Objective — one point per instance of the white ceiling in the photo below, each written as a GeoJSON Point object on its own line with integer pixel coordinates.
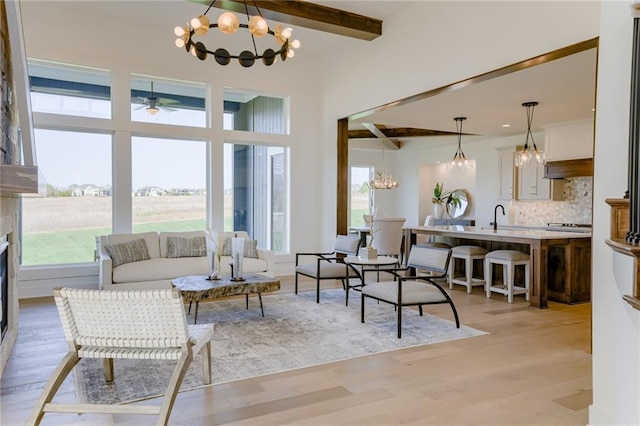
{"type": "Point", "coordinates": [564, 88]}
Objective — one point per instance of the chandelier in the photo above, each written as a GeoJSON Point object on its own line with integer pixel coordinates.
{"type": "Point", "coordinates": [459, 160]}
{"type": "Point", "coordinates": [529, 156]}
{"type": "Point", "coordinates": [228, 23]}
{"type": "Point", "coordinates": [382, 180]}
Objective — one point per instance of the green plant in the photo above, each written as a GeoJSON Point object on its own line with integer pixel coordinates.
{"type": "Point", "coordinates": [442, 197]}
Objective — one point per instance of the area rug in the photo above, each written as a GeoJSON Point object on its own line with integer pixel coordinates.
{"type": "Point", "coordinates": [295, 332]}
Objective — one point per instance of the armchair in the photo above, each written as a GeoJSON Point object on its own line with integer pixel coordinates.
{"type": "Point", "coordinates": [132, 324]}
{"type": "Point", "coordinates": [414, 290]}
{"type": "Point", "coordinates": [328, 266]}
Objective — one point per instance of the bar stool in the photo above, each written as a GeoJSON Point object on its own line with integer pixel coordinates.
{"type": "Point", "coordinates": [509, 259]}
{"type": "Point", "coordinates": [469, 254]}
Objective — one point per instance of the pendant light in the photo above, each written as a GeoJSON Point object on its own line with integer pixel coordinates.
{"type": "Point", "coordinates": [459, 160]}
{"type": "Point", "coordinates": [529, 156]}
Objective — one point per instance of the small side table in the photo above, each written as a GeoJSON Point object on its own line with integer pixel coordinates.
{"type": "Point", "coordinates": [354, 261]}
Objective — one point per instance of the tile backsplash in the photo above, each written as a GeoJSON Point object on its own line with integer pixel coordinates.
{"type": "Point", "coordinates": [575, 208]}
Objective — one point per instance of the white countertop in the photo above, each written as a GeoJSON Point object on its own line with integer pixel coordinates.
{"type": "Point", "coordinates": [480, 231]}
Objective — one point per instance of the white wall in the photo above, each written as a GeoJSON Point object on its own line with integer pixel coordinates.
{"type": "Point", "coordinates": [616, 335]}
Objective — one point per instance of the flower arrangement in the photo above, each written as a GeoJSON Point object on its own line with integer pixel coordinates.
{"type": "Point", "coordinates": [442, 197]}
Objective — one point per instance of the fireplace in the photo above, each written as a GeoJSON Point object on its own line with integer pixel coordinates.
{"type": "Point", "coordinates": [4, 286]}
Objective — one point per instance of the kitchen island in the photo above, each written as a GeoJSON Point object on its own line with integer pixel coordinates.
{"type": "Point", "coordinates": [560, 261]}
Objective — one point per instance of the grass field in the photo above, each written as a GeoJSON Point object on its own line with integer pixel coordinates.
{"type": "Point", "coordinates": [59, 230]}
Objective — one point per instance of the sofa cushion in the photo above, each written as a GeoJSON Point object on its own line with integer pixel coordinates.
{"type": "Point", "coordinates": [128, 252]}
{"type": "Point", "coordinates": [163, 236]}
{"type": "Point", "coordinates": [170, 268]}
{"type": "Point", "coordinates": [250, 247]}
{"type": "Point", "coordinates": [150, 238]}
{"type": "Point", "coordinates": [160, 269]}
{"type": "Point", "coordinates": [186, 247]}
{"type": "Point", "coordinates": [249, 265]}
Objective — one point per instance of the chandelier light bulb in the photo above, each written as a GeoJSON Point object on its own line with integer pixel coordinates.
{"type": "Point", "coordinates": [258, 26]}
{"type": "Point", "coordinates": [290, 53]}
{"type": "Point", "coordinates": [179, 31]}
{"type": "Point", "coordinates": [195, 23]}
{"type": "Point", "coordinates": [295, 44]}
{"type": "Point", "coordinates": [179, 42]}
{"type": "Point", "coordinates": [286, 33]}
{"type": "Point", "coordinates": [228, 23]}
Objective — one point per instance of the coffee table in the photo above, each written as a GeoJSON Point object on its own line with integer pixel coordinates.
{"type": "Point", "coordinates": [195, 288]}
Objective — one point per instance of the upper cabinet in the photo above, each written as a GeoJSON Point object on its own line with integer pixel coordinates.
{"type": "Point", "coordinates": [532, 185]}
{"type": "Point", "coordinates": [568, 141]}
{"type": "Point", "coordinates": [507, 177]}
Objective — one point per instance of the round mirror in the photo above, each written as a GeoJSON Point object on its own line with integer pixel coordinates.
{"type": "Point", "coordinates": [459, 206]}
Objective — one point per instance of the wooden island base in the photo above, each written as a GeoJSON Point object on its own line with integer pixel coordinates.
{"type": "Point", "coordinates": [560, 261]}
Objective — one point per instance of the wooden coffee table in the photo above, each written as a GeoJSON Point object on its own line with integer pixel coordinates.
{"type": "Point", "coordinates": [195, 288]}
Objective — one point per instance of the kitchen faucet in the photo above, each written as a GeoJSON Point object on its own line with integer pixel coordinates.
{"type": "Point", "coordinates": [495, 214]}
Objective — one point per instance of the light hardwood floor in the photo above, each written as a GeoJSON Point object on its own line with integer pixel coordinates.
{"type": "Point", "coordinates": [534, 368]}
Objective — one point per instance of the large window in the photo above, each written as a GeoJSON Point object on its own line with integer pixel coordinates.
{"type": "Point", "coordinates": [169, 181]}
{"type": "Point", "coordinates": [69, 90]}
{"type": "Point", "coordinates": [360, 195]}
{"type": "Point", "coordinates": [61, 227]}
{"type": "Point", "coordinates": [256, 193]}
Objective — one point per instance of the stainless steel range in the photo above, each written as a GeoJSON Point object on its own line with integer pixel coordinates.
{"type": "Point", "coordinates": [568, 227]}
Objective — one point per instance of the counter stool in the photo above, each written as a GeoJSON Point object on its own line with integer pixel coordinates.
{"type": "Point", "coordinates": [509, 259]}
{"type": "Point", "coordinates": [469, 254]}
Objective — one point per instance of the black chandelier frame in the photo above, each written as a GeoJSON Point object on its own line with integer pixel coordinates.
{"type": "Point", "coordinates": [246, 58]}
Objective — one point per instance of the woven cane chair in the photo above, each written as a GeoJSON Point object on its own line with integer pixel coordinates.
{"type": "Point", "coordinates": [414, 290]}
{"type": "Point", "coordinates": [142, 324]}
{"type": "Point", "coordinates": [329, 266]}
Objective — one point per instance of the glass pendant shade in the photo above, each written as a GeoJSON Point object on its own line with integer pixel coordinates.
{"type": "Point", "coordinates": [529, 156]}
{"type": "Point", "coordinates": [460, 161]}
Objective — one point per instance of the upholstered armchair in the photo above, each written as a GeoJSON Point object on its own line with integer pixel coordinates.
{"type": "Point", "coordinates": [328, 265]}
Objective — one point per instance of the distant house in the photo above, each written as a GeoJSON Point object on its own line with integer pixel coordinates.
{"type": "Point", "coordinates": [150, 191]}
{"type": "Point", "coordinates": [89, 190]}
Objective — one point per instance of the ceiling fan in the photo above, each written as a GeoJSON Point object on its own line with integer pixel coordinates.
{"type": "Point", "coordinates": [153, 104]}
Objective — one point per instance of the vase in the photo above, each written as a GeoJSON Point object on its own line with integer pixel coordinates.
{"type": "Point", "coordinates": [438, 210]}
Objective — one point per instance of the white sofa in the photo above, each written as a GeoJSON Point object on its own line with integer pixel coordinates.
{"type": "Point", "coordinates": [158, 271]}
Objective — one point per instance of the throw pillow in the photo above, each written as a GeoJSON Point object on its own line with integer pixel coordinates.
{"type": "Point", "coordinates": [131, 251]}
{"type": "Point", "coordinates": [250, 248]}
{"type": "Point", "coordinates": [186, 247]}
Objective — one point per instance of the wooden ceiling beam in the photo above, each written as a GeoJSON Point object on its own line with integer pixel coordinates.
{"type": "Point", "coordinates": [397, 132]}
{"type": "Point", "coordinates": [308, 15]}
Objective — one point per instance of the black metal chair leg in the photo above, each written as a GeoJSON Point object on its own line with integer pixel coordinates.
{"type": "Point", "coordinates": [420, 309]}
{"type": "Point", "coordinates": [195, 318]}
{"type": "Point", "coordinates": [399, 321]}
{"type": "Point", "coordinates": [246, 298]}
{"type": "Point", "coordinates": [317, 291]}
{"type": "Point", "coordinates": [190, 307]}
{"type": "Point", "coordinates": [261, 308]}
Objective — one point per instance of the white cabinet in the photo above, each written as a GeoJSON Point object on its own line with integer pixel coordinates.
{"type": "Point", "coordinates": [568, 141]}
{"type": "Point", "coordinates": [507, 177]}
{"type": "Point", "coordinates": [524, 183]}
{"type": "Point", "coordinates": [531, 184]}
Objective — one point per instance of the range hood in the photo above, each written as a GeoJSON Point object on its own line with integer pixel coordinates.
{"type": "Point", "coordinates": [568, 168]}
